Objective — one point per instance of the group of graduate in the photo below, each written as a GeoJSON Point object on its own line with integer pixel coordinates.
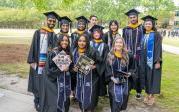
{"type": "Point", "coordinates": [124, 62]}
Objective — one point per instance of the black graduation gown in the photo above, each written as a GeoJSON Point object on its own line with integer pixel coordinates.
{"type": "Point", "coordinates": [73, 37]}
{"type": "Point", "coordinates": [122, 105]}
{"type": "Point", "coordinates": [101, 65]}
{"type": "Point", "coordinates": [50, 90]}
{"type": "Point", "coordinates": [152, 77]}
{"type": "Point", "coordinates": [94, 55]}
{"type": "Point", "coordinates": [35, 80]}
{"type": "Point", "coordinates": [133, 38]}
{"type": "Point", "coordinates": [108, 38]}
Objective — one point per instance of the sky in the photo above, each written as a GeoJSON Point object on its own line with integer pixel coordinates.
{"type": "Point", "coordinates": [176, 2]}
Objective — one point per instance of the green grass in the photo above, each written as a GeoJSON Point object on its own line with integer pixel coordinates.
{"type": "Point", "coordinates": [169, 97]}
{"type": "Point", "coordinates": [21, 69]}
{"type": "Point", "coordinates": [171, 41]}
{"type": "Point", "coordinates": [15, 40]}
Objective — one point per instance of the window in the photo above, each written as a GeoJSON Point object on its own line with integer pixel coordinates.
{"type": "Point", "coordinates": [176, 23]}
{"type": "Point", "coordinates": [176, 13]}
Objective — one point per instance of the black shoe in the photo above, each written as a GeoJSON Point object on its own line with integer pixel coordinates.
{"type": "Point", "coordinates": [138, 96]}
{"type": "Point", "coordinates": [36, 104]}
{"type": "Point", "coordinates": [37, 107]}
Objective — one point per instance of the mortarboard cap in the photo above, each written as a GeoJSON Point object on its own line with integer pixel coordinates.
{"type": "Point", "coordinates": [148, 17]}
{"type": "Point", "coordinates": [83, 19]}
{"type": "Point", "coordinates": [96, 27]}
{"type": "Point", "coordinates": [64, 20]}
{"type": "Point", "coordinates": [132, 12]}
{"type": "Point", "coordinates": [51, 14]}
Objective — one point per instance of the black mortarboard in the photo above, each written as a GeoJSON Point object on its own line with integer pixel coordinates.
{"type": "Point", "coordinates": [148, 17]}
{"type": "Point", "coordinates": [132, 12]}
{"type": "Point", "coordinates": [64, 20]}
{"type": "Point", "coordinates": [82, 18]}
{"type": "Point", "coordinates": [95, 27]}
{"type": "Point", "coordinates": [51, 14]}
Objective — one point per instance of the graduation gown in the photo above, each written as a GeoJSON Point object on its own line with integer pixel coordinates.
{"type": "Point", "coordinates": [133, 38]}
{"type": "Point", "coordinates": [108, 38]}
{"type": "Point", "coordinates": [92, 101]}
{"type": "Point", "coordinates": [51, 92]}
{"type": "Point", "coordinates": [103, 50]}
{"type": "Point", "coordinates": [118, 93]}
{"type": "Point", "coordinates": [152, 76]}
{"type": "Point", "coordinates": [73, 38]}
{"type": "Point", "coordinates": [35, 80]}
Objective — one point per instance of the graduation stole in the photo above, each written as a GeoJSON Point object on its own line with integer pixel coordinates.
{"type": "Point", "coordinates": [135, 49]}
{"type": "Point", "coordinates": [80, 32]}
{"type": "Point", "coordinates": [118, 54]}
{"type": "Point", "coordinates": [98, 46]}
{"type": "Point", "coordinates": [119, 89]}
{"type": "Point", "coordinates": [150, 49]}
{"type": "Point", "coordinates": [43, 48]}
{"type": "Point", "coordinates": [84, 85]}
{"type": "Point", "coordinates": [62, 33]}
{"type": "Point", "coordinates": [110, 38]}
{"type": "Point", "coordinates": [47, 29]}
{"type": "Point", "coordinates": [64, 89]}
{"type": "Point", "coordinates": [81, 51]}
{"type": "Point", "coordinates": [133, 25]}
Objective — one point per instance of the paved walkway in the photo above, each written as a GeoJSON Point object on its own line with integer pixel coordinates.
{"type": "Point", "coordinates": [170, 49]}
{"type": "Point", "coordinates": [15, 102]}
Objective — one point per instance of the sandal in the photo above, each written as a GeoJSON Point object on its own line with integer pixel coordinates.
{"type": "Point", "coordinates": [151, 101]}
{"type": "Point", "coordinates": [146, 99]}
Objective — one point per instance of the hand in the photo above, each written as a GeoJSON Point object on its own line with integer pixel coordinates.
{"type": "Point", "coordinates": [115, 80]}
{"type": "Point", "coordinates": [93, 66]}
{"type": "Point", "coordinates": [157, 65]}
{"type": "Point", "coordinates": [66, 69]}
{"type": "Point", "coordinates": [128, 74]}
{"type": "Point", "coordinates": [75, 69]}
{"type": "Point", "coordinates": [33, 65]}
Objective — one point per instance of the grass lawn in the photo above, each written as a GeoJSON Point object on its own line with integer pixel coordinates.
{"type": "Point", "coordinates": [171, 41]}
{"type": "Point", "coordinates": [21, 69]}
{"type": "Point", "coordinates": [16, 40]}
{"type": "Point", "coordinates": [169, 97]}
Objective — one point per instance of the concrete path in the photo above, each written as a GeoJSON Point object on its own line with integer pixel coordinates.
{"type": "Point", "coordinates": [170, 49]}
{"type": "Point", "coordinates": [15, 102]}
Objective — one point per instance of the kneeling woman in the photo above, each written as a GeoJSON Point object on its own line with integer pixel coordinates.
{"type": "Point", "coordinates": [59, 78]}
{"type": "Point", "coordinates": [87, 85]}
{"type": "Point", "coordinates": [117, 75]}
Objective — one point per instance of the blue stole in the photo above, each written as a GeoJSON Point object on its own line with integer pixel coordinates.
{"type": "Point", "coordinates": [119, 89]}
{"type": "Point", "coordinates": [84, 85]}
{"type": "Point", "coordinates": [150, 49]}
{"type": "Point", "coordinates": [64, 89]}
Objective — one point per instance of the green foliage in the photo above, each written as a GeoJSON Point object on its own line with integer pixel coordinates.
{"type": "Point", "coordinates": [104, 9]}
